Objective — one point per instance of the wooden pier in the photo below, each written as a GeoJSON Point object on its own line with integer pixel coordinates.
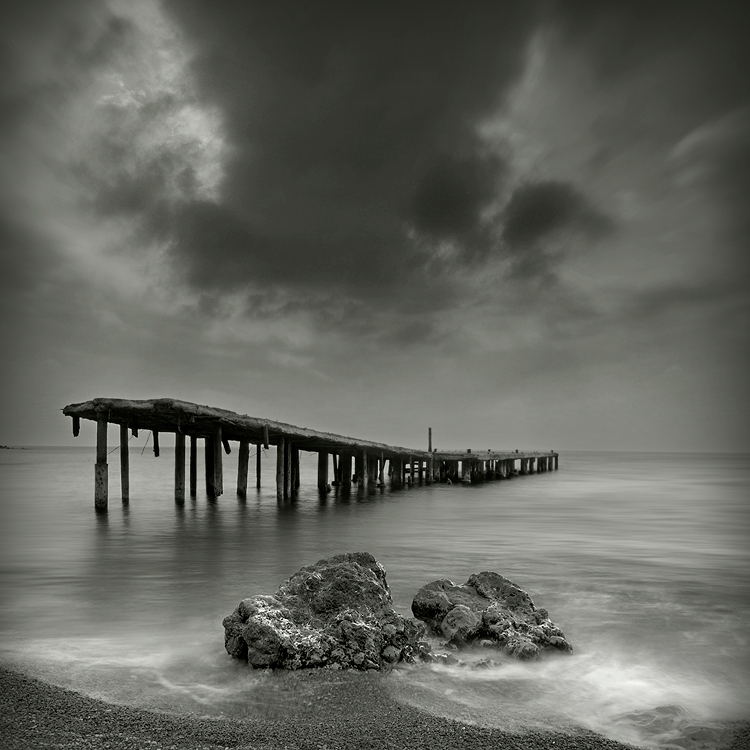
{"type": "Point", "coordinates": [342, 461]}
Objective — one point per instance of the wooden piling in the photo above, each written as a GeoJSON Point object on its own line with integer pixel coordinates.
{"type": "Point", "coordinates": [336, 473]}
{"type": "Point", "coordinates": [556, 457]}
{"type": "Point", "coordinates": [287, 468]}
{"type": "Point", "coordinates": [322, 470]}
{"type": "Point", "coordinates": [381, 473]}
{"type": "Point", "coordinates": [345, 468]}
{"type": "Point", "coordinates": [295, 468]}
{"type": "Point", "coordinates": [430, 462]}
{"type": "Point", "coordinates": [155, 438]}
{"type": "Point", "coordinates": [208, 455]}
{"type": "Point", "coordinates": [101, 483]}
{"type": "Point", "coordinates": [257, 466]}
{"type": "Point", "coordinates": [218, 462]}
{"type": "Point", "coordinates": [243, 460]}
{"type": "Point", "coordinates": [76, 426]}
{"type": "Point", "coordinates": [397, 471]}
{"type": "Point", "coordinates": [227, 446]}
{"type": "Point", "coordinates": [124, 465]}
{"type": "Point", "coordinates": [365, 477]}
{"type": "Point", "coordinates": [193, 465]}
{"type": "Point", "coordinates": [179, 468]}
{"type": "Point", "coordinates": [280, 450]}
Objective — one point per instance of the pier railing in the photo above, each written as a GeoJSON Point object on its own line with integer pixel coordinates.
{"type": "Point", "coordinates": [350, 460]}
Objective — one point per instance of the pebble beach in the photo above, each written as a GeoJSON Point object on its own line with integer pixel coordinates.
{"type": "Point", "coordinates": [37, 715]}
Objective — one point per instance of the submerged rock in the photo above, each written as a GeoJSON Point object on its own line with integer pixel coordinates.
{"type": "Point", "coordinates": [336, 613]}
{"type": "Point", "coordinates": [488, 610]}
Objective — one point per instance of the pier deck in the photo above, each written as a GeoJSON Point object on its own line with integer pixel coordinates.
{"type": "Point", "coordinates": [218, 427]}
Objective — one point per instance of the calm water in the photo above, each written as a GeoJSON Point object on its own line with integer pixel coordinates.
{"type": "Point", "coordinates": [642, 560]}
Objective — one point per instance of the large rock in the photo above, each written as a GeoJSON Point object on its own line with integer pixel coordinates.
{"type": "Point", "coordinates": [336, 613]}
{"type": "Point", "coordinates": [489, 610]}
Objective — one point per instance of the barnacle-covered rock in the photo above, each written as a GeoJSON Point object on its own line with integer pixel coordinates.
{"type": "Point", "coordinates": [337, 613]}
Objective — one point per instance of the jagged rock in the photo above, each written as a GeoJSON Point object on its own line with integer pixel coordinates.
{"type": "Point", "coordinates": [336, 613]}
{"type": "Point", "coordinates": [489, 610]}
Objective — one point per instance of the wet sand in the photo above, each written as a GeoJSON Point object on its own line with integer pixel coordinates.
{"type": "Point", "coordinates": [34, 714]}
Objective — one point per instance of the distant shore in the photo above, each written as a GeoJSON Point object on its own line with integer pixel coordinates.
{"type": "Point", "coordinates": [34, 714]}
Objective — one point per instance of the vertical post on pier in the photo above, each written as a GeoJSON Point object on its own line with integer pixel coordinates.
{"type": "Point", "coordinates": [155, 434]}
{"type": "Point", "coordinates": [208, 456]}
{"type": "Point", "coordinates": [179, 467]}
{"type": "Point", "coordinates": [124, 465]}
{"type": "Point", "coordinates": [101, 479]}
{"type": "Point", "coordinates": [243, 461]}
{"type": "Point", "coordinates": [322, 470]}
{"type": "Point", "coordinates": [280, 450]}
{"type": "Point", "coordinates": [193, 465]}
{"type": "Point", "coordinates": [396, 471]}
{"type": "Point", "coordinates": [336, 473]}
{"type": "Point", "coordinates": [257, 466]}
{"type": "Point", "coordinates": [288, 468]}
{"type": "Point", "coordinates": [556, 457]}
{"type": "Point", "coordinates": [381, 473]}
{"type": "Point", "coordinates": [373, 470]}
{"type": "Point", "coordinates": [430, 462]}
{"type": "Point", "coordinates": [365, 471]}
{"type": "Point", "coordinates": [218, 462]}
{"type": "Point", "coordinates": [345, 469]}
{"type": "Point", "coordinates": [295, 468]}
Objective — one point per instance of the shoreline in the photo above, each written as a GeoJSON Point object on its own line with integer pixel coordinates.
{"type": "Point", "coordinates": [36, 714]}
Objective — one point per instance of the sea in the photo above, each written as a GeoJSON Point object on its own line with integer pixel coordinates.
{"type": "Point", "coordinates": [642, 559]}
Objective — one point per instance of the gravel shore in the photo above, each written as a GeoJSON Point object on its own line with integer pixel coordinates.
{"type": "Point", "coordinates": [36, 715]}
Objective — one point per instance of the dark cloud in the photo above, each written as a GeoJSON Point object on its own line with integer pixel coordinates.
{"type": "Point", "coordinates": [540, 212]}
{"type": "Point", "coordinates": [450, 196]}
{"type": "Point", "coordinates": [347, 123]}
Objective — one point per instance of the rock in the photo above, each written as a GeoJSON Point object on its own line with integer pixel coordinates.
{"type": "Point", "coordinates": [337, 613]}
{"type": "Point", "coordinates": [489, 610]}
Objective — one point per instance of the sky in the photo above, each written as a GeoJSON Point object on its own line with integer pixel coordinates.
{"type": "Point", "coordinates": [522, 224]}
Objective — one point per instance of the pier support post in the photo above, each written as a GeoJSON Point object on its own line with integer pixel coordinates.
{"type": "Point", "coordinates": [208, 456]}
{"type": "Point", "coordinates": [556, 457]}
{"type": "Point", "coordinates": [287, 468]}
{"type": "Point", "coordinates": [365, 470]}
{"type": "Point", "coordinates": [381, 472]}
{"type": "Point", "coordinates": [257, 466]}
{"type": "Point", "coordinates": [218, 462]}
{"type": "Point", "coordinates": [295, 468]}
{"type": "Point", "coordinates": [124, 465]}
{"type": "Point", "coordinates": [101, 478]}
{"type": "Point", "coordinates": [322, 470]}
{"type": "Point", "coordinates": [336, 472]}
{"type": "Point", "coordinates": [397, 471]}
{"type": "Point", "coordinates": [345, 468]}
{"type": "Point", "coordinates": [193, 465]}
{"type": "Point", "coordinates": [179, 468]}
{"type": "Point", "coordinates": [280, 451]}
{"type": "Point", "coordinates": [243, 460]}
{"type": "Point", "coordinates": [430, 461]}
{"type": "Point", "coordinates": [155, 434]}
